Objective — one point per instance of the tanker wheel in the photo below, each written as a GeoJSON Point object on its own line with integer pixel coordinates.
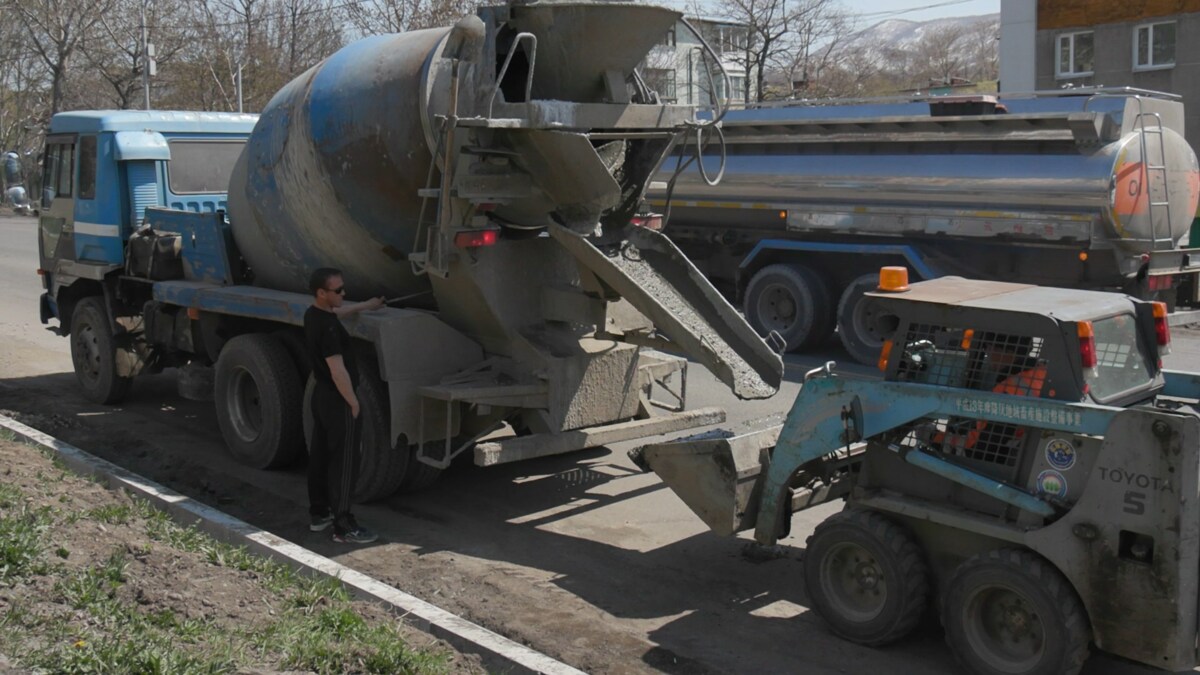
{"type": "Point", "coordinates": [1010, 612]}
{"type": "Point", "coordinates": [257, 396]}
{"type": "Point", "coordinates": [866, 575]}
{"type": "Point", "coordinates": [793, 301]}
{"type": "Point", "coordinates": [861, 323]}
{"type": "Point", "coordinates": [94, 354]}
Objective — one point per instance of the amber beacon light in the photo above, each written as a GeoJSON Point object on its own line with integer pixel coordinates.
{"type": "Point", "coordinates": [893, 279]}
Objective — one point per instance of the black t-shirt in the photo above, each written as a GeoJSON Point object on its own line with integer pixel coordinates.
{"type": "Point", "coordinates": [325, 336]}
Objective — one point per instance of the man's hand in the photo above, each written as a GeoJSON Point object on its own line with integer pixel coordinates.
{"type": "Point", "coordinates": [373, 303]}
{"type": "Point", "coordinates": [354, 409]}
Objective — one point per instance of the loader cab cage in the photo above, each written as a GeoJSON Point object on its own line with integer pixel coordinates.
{"type": "Point", "coordinates": [965, 358]}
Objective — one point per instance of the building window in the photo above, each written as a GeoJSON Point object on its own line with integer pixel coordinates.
{"type": "Point", "coordinates": [731, 39]}
{"type": "Point", "coordinates": [737, 87]}
{"type": "Point", "coordinates": [1154, 46]}
{"type": "Point", "coordinates": [661, 80]}
{"type": "Point", "coordinates": [1075, 54]}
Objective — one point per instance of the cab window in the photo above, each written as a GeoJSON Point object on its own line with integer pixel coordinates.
{"type": "Point", "coordinates": [1120, 362]}
{"type": "Point", "coordinates": [202, 166]}
{"type": "Point", "coordinates": [87, 167]}
{"type": "Point", "coordinates": [58, 169]}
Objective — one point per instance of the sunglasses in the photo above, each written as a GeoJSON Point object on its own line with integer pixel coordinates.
{"type": "Point", "coordinates": [340, 290]}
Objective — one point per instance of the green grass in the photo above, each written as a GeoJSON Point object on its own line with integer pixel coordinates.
{"type": "Point", "coordinates": [95, 628]}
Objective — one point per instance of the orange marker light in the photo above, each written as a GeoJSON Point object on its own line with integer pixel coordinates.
{"type": "Point", "coordinates": [783, 215]}
{"type": "Point", "coordinates": [193, 313]}
{"type": "Point", "coordinates": [893, 279]}
{"type": "Point", "coordinates": [968, 334]}
{"type": "Point", "coordinates": [1087, 348]}
{"type": "Point", "coordinates": [884, 354]}
{"type": "Point", "coordinates": [1083, 256]}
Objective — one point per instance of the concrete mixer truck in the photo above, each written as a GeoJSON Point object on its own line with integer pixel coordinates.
{"type": "Point", "coordinates": [481, 177]}
{"type": "Point", "coordinates": [1079, 189]}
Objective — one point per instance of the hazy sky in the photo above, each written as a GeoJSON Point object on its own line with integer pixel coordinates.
{"type": "Point", "coordinates": [874, 11]}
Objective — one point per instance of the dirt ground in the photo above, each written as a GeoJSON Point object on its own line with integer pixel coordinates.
{"type": "Point", "coordinates": [91, 525]}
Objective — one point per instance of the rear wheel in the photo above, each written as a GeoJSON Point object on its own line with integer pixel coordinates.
{"type": "Point", "coordinates": [866, 576]}
{"type": "Point", "coordinates": [792, 301]}
{"type": "Point", "coordinates": [94, 353]}
{"type": "Point", "coordinates": [383, 469]}
{"type": "Point", "coordinates": [1009, 612]}
{"type": "Point", "coordinates": [861, 323]}
{"type": "Point", "coordinates": [257, 395]}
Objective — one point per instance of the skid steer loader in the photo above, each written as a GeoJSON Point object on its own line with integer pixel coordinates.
{"type": "Point", "coordinates": [1026, 466]}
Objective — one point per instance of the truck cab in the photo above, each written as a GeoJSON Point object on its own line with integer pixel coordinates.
{"type": "Point", "coordinates": [102, 169]}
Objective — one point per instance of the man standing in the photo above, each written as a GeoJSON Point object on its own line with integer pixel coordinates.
{"type": "Point", "coordinates": [333, 451]}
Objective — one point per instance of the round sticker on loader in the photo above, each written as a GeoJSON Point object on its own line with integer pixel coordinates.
{"type": "Point", "coordinates": [1060, 454]}
{"type": "Point", "coordinates": [1051, 482]}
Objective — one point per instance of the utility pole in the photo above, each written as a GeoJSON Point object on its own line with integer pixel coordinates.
{"type": "Point", "coordinates": [148, 64]}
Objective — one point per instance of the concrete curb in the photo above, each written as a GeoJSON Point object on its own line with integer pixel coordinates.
{"type": "Point", "coordinates": [498, 652]}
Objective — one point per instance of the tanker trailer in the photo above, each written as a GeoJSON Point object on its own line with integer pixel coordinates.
{"type": "Point", "coordinates": [1094, 191]}
{"type": "Point", "coordinates": [483, 178]}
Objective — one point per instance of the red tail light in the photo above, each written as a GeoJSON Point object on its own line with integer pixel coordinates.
{"type": "Point", "coordinates": [651, 221]}
{"type": "Point", "coordinates": [1162, 329]}
{"type": "Point", "coordinates": [1087, 348]}
{"type": "Point", "coordinates": [476, 238]}
{"type": "Point", "coordinates": [1160, 282]}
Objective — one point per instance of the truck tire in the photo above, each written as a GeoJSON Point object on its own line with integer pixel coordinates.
{"type": "Point", "coordinates": [257, 395]}
{"type": "Point", "coordinates": [867, 577]}
{"type": "Point", "coordinates": [383, 469]}
{"type": "Point", "coordinates": [858, 321]}
{"type": "Point", "coordinates": [793, 301]}
{"type": "Point", "coordinates": [93, 353]}
{"type": "Point", "coordinates": [1010, 612]}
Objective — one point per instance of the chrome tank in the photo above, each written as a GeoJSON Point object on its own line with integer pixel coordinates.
{"type": "Point", "coordinates": [1062, 169]}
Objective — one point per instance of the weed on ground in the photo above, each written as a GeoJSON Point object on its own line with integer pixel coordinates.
{"type": "Point", "coordinates": [95, 581]}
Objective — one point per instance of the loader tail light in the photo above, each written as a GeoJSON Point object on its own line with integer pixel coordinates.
{"type": "Point", "coordinates": [1087, 348]}
{"type": "Point", "coordinates": [885, 354]}
{"type": "Point", "coordinates": [1162, 329]}
{"type": "Point", "coordinates": [476, 238]}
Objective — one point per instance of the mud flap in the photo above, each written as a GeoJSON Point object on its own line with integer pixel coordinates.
{"type": "Point", "coordinates": [656, 278]}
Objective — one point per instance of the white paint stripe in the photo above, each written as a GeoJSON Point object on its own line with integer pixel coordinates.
{"type": "Point", "coordinates": [498, 651]}
{"type": "Point", "coordinates": [97, 229]}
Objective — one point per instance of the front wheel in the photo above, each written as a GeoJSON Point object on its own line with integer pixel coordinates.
{"type": "Point", "coordinates": [866, 576]}
{"type": "Point", "coordinates": [1009, 612]}
{"type": "Point", "coordinates": [94, 353]}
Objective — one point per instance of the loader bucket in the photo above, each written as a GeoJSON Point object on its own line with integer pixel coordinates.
{"type": "Point", "coordinates": [715, 474]}
{"type": "Point", "coordinates": [655, 277]}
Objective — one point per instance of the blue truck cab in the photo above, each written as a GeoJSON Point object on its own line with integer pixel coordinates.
{"type": "Point", "coordinates": [102, 170]}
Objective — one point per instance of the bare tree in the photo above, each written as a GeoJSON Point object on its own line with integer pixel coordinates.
{"type": "Point", "coordinates": [56, 28]}
{"type": "Point", "coordinates": [117, 54]}
{"type": "Point", "coordinates": [939, 55]}
{"type": "Point", "coordinates": [373, 17]}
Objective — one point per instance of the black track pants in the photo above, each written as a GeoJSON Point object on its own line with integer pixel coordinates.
{"type": "Point", "coordinates": [332, 456]}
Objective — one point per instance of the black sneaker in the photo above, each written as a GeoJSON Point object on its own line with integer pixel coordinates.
{"type": "Point", "coordinates": [321, 523]}
{"type": "Point", "coordinates": [358, 535]}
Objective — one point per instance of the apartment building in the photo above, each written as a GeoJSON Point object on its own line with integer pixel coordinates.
{"type": "Point", "coordinates": [676, 69]}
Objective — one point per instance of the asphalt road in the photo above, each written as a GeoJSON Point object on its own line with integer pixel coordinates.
{"type": "Point", "coordinates": [580, 556]}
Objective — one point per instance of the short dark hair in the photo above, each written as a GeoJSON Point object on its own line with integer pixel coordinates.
{"type": "Point", "coordinates": [320, 277]}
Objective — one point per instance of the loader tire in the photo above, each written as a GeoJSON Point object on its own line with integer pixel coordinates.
{"type": "Point", "coordinates": [1010, 612]}
{"type": "Point", "coordinates": [862, 325]}
{"type": "Point", "coordinates": [793, 301]}
{"type": "Point", "coordinates": [93, 354]}
{"type": "Point", "coordinates": [867, 577]}
{"type": "Point", "coordinates": [257, 396]}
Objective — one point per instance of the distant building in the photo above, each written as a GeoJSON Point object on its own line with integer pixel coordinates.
{"type": "Point", "coordinates": [1054, 44]}
{"type": "Point", "coordinates": [675, 67]}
